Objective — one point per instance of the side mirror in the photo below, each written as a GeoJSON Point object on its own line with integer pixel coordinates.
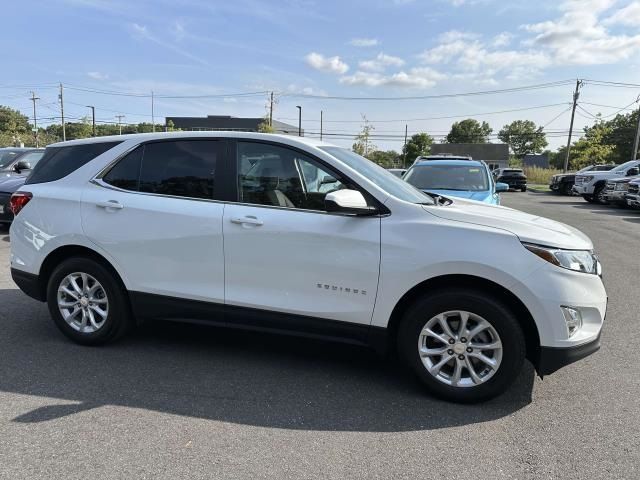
{"type": "Point", "coordinates": [501, 187]}
{"type": "Point", "coordinates": [328, 179]}
{"type": "Point", "coordinates": [633, 172]}
{"type": "Point", "coordinates": [349, 202]}
{"type": "Point", "coordinates": [19, 166]}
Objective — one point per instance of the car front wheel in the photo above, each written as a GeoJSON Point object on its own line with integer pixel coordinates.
{"type": "Point", "coordinates": [463, 345]}
{"type": "Point", "coordinates": [87, 303]}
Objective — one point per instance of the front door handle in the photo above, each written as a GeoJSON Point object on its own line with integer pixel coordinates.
{"type": "Point", "coordinates": [110, 204]}
{"type": "Point", "coordinates": [248, 220]}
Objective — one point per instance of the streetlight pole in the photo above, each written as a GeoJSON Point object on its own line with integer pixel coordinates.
{"type": "Point", "coordinates": [93, 118]}
{"type": "Point", "coordinates": [299, 120]}
{"type": "Point", "coordinates": [634, 154]}
{"type": "Point", "coordinates": [320, 125]}
{"type": "Point", "coordinates": [35, 119]}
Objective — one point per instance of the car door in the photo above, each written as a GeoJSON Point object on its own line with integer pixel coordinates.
{"type": "Point", "coordinates": [155, 213]}
{"type": "Point", "coordinates": [284, 253]}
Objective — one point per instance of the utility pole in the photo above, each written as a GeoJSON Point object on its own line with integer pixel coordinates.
{"type": "Point", "coordinates": [271, 111]}
{"type": "Point", "coordinates": [93, 118]}
{"type": "Point", "coordinates": [35, 119]}
{"type": "Point", "coordinates": [61, 97]}
{"type": "Point", "coordinates": [120, 117]}
{"type": "Point", "coordinates": [320, 125]}
{"type": "Point", "coordinates": [299, 120]}
{"type": "Point", "coordinates": [576, 95]}
{"type": "Point", "coordinates": [153, 118]}
{"type": "Point", "coordinates": [634, 154]}
{"type": "Point", "coordinates": [404, 149]}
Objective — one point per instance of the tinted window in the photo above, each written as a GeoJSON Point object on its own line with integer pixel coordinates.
{"type": "Point", "coordinates": [448, 177]}
{"type": "Point", "coordinates": [180, 168]}
{"type": "Point", "coordinates": [126, 173]}
{"type": "Point", "coordinates": [58, 162]}
{"type": "Point", "coordinates": [282, 177]}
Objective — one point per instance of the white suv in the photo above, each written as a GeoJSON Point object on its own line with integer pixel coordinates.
{"type": "Point", "coordinates": [280, 233]}
{"type": "Point", "coordinates": [591, 185]}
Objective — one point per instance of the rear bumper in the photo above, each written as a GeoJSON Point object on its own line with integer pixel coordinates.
{"type": "Point", "coordinates": [552, 359]}
{"type": "Point", "coordinates": [29, 284]}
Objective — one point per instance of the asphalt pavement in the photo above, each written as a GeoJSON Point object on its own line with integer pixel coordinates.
{"type": "Point", "coordinates": [176, 401]}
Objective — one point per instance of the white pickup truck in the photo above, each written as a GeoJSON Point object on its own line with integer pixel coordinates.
{"type": "Point", "coordinates": [591, 185]}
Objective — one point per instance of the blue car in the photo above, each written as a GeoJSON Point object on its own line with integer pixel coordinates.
{"type": "Point", "coordinates": [460, 177]}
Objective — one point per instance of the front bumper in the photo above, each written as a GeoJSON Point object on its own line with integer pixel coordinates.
{"type": "Point", "coordinates": [583, 189]}
{"type": "Point", "coordinates": [552, 359]}
{"type": "Point", "coordinates": [615, 196]}
{"type": "Point", "coordinates": [633, 200]}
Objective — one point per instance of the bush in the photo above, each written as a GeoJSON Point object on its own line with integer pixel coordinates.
{"type": "Point", "coordinates": [540, 176]}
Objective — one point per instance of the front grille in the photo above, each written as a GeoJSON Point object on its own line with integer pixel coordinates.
{"type": "Point", "coordinates": [634, 188]}
{"type": "Point", "coordinates": [610, 187]}
{"type": "Point", "coordinates": [579, 180]}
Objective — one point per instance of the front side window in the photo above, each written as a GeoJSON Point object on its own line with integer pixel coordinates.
{"type": "Point", "coordinates": [448, 177]}
{"type": "Point", "coordinates": [7, 157]}
{"type": "Point", "coordinates": [282, 177]}
{"type": "Point", "coordinates": [32, 158]}
{"type": "Point", "coordinates": [184, 168]}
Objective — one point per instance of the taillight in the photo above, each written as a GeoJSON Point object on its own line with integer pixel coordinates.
{"type": "Point", "coordinates": [18, 201]}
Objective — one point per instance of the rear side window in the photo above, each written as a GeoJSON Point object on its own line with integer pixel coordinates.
{"type": "Point", "coordinates": [126, 173]}
{"type": "Point", "coordinates": [184, 168]}
{"type": "Point", "coordinates": [58, 162]}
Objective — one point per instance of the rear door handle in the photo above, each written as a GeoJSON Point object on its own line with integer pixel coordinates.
{"type": "Point", "coordinates": [110, 204]}
{"type": "Point", "coordinates": [248, 220]}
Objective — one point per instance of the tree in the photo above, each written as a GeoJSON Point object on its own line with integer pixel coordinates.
{"type": "Point", "coordinates": [418, 144]}
{"type": "Point", "coordinates": [593, 146]}
{"type": "Point", "coordinates": [265, 127]}
{"type": "Point", "coordinates": [523, 137]}
{"type": "Point", "coordinates": [469, 131]}
{"type": "Point", "coordinates": [621, 135]}
{"type": "Point", "coordinates": [386, 159]}
{"type": "Point", "coordinates": [14, 126]}
{"type": "Point", "coordinates": [363, 145]}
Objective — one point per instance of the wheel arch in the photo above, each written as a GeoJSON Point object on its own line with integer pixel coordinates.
{"type": "Point", "coordinates": [56, 256]}
{"type": "Point", "coordinates": [525, 319]}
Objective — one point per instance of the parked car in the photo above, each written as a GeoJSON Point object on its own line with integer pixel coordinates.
{"type": "Point", "coordinates": [461, 178]}
{"type": "Point", "coordinates": [615, 191]}
{"type": "Point", "coordinates": [11, 180]}
{"type": "Point", "coordinates": [633, 194]}
{"type": "Point", "coordinates": [398, 172]}
{"type": "Point", "coordinates": [318, 241]}
{"type": "Point", "coordinates": [15, 160]}
{"type": "Point", "coordinates": [563, 182]}
{"type": "Point", "coordinates": [592, 184]}
{"type": "Point", "coordinates": [514, 177]}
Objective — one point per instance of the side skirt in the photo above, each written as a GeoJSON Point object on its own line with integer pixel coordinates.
{"type": "Point", "coordinates": [148, 306]}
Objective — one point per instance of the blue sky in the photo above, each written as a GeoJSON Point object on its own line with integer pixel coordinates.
{"type": "Point", "coordinates": [374, 48]}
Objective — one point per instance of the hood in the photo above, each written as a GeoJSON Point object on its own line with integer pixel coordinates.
{"type": "Point", "coordinates": [12, 184]}
{"type": "Point", "coordinates": [623, 179]}
{"type": "Point", "coordinates": [528, 228]}
{"type": "Point", "coordinates": [481, 196]}
{"type": "Point", "coordinates": [595, 174]}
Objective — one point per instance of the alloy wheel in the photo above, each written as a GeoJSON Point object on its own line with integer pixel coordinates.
{"type": "Point", "coordinates": [83, 302]}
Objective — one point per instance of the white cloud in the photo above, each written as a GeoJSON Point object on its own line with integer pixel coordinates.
{"type": "Point", "coordinates": [580, 37]}
{"type": "Point", "coordinates": [97, 75]}
{"type": "Point", "coordinates": [629, 16]}
{"type": "Point", "coordinates": [502, 39]}
{"type": "Point", "coordinates": [364, 42]}
{"type": "Point", "coordinates": [326, 64]}
{"type": "Point", "coordinates": [381, 62]}
{"type": "Point", "coordinates": [423, 77]}
{"type": "Point", "coordinates": [141, 32]}
{"type": "Point", "coordinates": [457, 3]}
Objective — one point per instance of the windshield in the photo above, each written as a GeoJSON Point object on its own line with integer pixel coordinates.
{"type": "Point", "coordinates": [378, 175]}
{"type": "Point", "coordinates": [448, 177]}
{"type": "Point", "coordinates": [624, 166]}
{"type": "Point", "coordinates": [7, 157]}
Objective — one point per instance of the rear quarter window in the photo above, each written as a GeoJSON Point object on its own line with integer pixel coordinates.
{"type": "Point", "coordinates": [58, 162]}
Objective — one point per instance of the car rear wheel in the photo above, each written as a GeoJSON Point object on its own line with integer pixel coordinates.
{"type": "Point", "coordinates": [87, 303]}
{"type": "Point", "coordinates": [463, 345]}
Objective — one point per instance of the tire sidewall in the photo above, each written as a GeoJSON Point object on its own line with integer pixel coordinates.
{"type": "Point", "coordinates": [500, 317]}
{"type": "Point", "coordinates": [117, 318]}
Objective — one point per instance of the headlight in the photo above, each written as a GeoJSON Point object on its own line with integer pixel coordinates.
{"type": "Point", "coordinates": [588, 178]}
{"type": "Point", "coordinates": [576, 260]}
{"type": "Point", "coordinates": [622, 186]}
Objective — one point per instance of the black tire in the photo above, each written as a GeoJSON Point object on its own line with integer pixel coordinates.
{"type": "Point", "coordinates": [589, 198]}
{"type": "Point", "coordinates": [524, 189]}
{"type": "Point", "coordinates": [567, 189]}
{"type": "Point", "coordinates": [596, 195]}
{"type": "Point", "coordinates": [119, 318]}
{"type": "Point", "coordinates": [495, 312]}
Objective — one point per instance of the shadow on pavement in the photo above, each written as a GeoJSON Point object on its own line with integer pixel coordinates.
{"type": "Point", "coordinates": [232, 376]}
